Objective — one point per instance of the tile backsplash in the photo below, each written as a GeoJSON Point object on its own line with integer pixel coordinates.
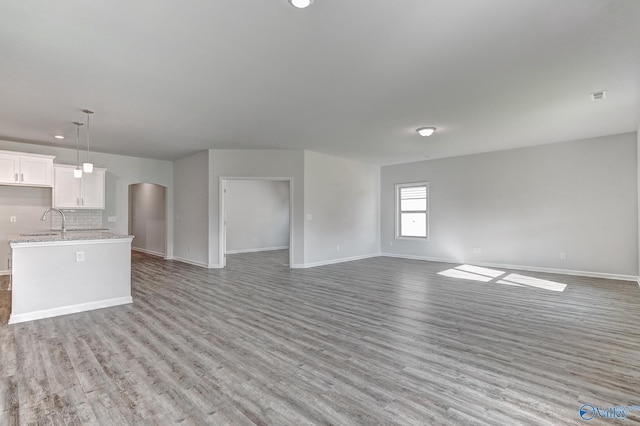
{"type": "Point", "coordinates": [78, 219]}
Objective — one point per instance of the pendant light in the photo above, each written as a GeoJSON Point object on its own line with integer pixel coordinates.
{"type": "Point", "coordinates": [77, 172]}
{"type": "Point", "coordinates": [87, 167]}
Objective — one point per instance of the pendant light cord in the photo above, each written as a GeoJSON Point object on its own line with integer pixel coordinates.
{"type": "Point", "coordinates": [88, 137]}
{"type": "Point", "coordinates": [77, 143]}
{"type": "Point", "coordinates": [88, 112]}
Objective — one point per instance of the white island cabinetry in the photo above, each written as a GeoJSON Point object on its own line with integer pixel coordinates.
{"type": "Point", "coordinates": [86, 192]}
{"type": "Point", "coordinates": [62, 274]}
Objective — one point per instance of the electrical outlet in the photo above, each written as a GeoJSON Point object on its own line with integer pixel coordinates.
{"type": "Point", "coordinates": [477, 250]}
{"type": "Point", "coordinates": [309, 217]}
{"type": "Point", "coordinates": [338, 247]}
{"type": "Point", "coordinates": [563, 255]}
{"type": "Point", "coordinates": [111, 219]}
{"type": "Point", "coordinates": [79, 256]}
{"type": "Point", "coordinates": [12, 219]}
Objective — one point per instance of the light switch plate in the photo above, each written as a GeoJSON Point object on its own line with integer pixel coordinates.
{"type": "Point", "coordinates": [79, 256]}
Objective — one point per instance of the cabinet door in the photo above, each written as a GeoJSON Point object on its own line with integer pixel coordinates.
{"type": "Point", "coordinates": [36, 171]}
{"type": "Point", "coordinates": [9, 165]}
{"type": "Point", "coordinates": [93, 190]}
{"type": "Point", "coordinates": [66, 188]}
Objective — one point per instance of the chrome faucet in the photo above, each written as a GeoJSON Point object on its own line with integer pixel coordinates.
{"type": "Point", "coordinates": [44, 217]}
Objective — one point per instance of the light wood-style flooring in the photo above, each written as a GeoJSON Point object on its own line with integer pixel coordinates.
{"type": "Point", "coordinates": [5, 298]}
{"type": "Point", "coordinates": [377, 341]}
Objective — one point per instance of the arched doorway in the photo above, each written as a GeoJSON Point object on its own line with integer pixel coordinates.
{"type": "Point", "coordinates": [148, 218]}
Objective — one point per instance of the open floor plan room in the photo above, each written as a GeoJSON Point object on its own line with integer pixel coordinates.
{"type": "Point", "coordinates": [375, 341]}
{"type": "Point", "coordinates": [320, 212]}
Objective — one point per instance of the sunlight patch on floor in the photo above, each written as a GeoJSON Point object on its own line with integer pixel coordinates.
{"type": "Point", "coordinates": [532, 282]}
{"type": "Point", "coordinates": [457, 273]}
{"type": "Point", "coordinates": [478, 273]}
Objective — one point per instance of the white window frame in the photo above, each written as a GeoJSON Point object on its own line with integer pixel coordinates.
{"type": "Point", "coordinates": [398, 212]}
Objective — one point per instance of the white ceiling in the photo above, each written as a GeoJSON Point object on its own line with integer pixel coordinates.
{"type": "Point", "coordinates": [351, 78]}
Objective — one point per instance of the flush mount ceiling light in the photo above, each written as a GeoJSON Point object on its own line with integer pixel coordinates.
{"type": "Point", "coordinates": [77, 172]}
{"type": "Point", "coordinates": [426, 131]}
{"type": "Point", "coordinates": [58, 136]}
{"type": "Point", "coordinates": [87, 166]}
{"type": "Point", "coordinates": [300, 4]}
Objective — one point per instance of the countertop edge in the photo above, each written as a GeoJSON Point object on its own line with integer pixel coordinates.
{"type": "Point", "coordinates": [70, 237]}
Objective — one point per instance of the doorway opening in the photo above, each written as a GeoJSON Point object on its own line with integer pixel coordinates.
{"type": "Point", "coordinates": [148, 218]}
{"type": "Point", "coordinates": [255, 216]}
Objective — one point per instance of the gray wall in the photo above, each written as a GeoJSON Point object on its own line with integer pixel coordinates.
{"type": "Point", "coordinates": [257, 213]}
{"type": "Point", "coordinates": [342, 197]}
{"type": "Point", "coordinates": [526, 206]}
{"type": "Point", "coordinates": [27, 205]}
{"type": "Point", "coordinates": [122, 171]}
{"type": "Point", "coordinates": [191, 186]}
{"type": "Point", "coordinates": [256, 163]}
{"type": "Point", "coordinates": [147, 217]}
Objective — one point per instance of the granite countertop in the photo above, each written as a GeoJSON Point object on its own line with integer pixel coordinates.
{"type": "Point", "coordinates": [57, 236]}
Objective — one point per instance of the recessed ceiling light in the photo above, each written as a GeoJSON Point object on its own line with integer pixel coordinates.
{"type": "Point", "coordinates": [300, 4]}
{"type": "Point", "coordinates": [59, 137]}
{"type": "Point", "coordinates": [426, 131]}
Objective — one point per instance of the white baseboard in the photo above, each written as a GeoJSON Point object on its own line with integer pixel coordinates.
{"type": "Point", "coordinates": [333, 261]}
{"type": "Point", "coordinates": [195, 263]}
{"type": "Point", "coordinates": [255, 250]}
{"type": "Point", "coordinates": [151, 252]}
{"type": "Point", "coordinates": [72, 309]}
{"type": "Point", "coordinates": [190, 262]}
{"type": "Point", "coordinates": [521, 267]}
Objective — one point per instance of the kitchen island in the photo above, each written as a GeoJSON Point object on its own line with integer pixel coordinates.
{"type": "Point", "coordinates": [56, 273]}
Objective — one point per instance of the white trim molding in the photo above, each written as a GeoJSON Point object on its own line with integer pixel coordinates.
{"type": "Point", "coordinates": [190, 262]}
{"type": "Point", "coordinates": [255, 250]}
{"type": "Point", "coordinates": [334, 261]}
{"type": "Point", "coordinates": [151, 252]}
{"type": "Point", "coordinates": [72, 309]}
{"type": "Point", "coordinates": [519, 267]}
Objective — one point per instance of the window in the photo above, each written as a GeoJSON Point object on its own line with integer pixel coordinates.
{"type": "Point", "coordinates": [412, 210]}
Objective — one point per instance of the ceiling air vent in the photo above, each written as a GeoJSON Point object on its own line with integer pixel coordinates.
{"type": "Point", "coordinates": [598, 96]}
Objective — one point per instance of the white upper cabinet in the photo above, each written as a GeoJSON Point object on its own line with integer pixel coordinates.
{"type": "Point", "coordinates": [93, 189]}
{"type": "Point", "coordinates": [84, 193]}
{"type": "Point", "coordinates": [9, 168]}
{"type": "Point", "coordinates": [23, 169]}
{"type": "Point", "coordinates": [66, 188]}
